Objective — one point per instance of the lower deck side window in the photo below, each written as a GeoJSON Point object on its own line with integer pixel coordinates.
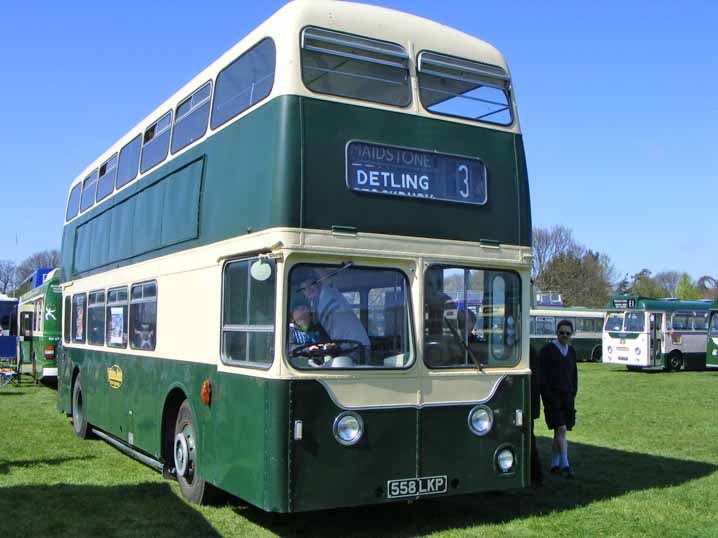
{"type": "Point", "coordinates": [143, 316]}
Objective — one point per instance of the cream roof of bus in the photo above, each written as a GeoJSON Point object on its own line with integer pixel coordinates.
{"type": "Point", "coordinates": [414, 33]}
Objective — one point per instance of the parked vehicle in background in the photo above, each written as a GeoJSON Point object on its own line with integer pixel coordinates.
{"type": "Point", "coordinates": [641, 332]}
{"type": "Point", "coordinates": [39, 314]}
{"type": "Point", "coordinates": [8, 329]}
{"type": "Point", "coordinates": [587, 329]}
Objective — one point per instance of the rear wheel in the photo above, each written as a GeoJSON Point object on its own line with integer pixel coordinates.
{"type": "Point", "coordinates": [185, 451]}
{"type": "Point", "coordinates": [79, 411]}
{"type": "Point", "coordinates": [675, 362]}
{"type": "Point", "coordinates": [596, 354]}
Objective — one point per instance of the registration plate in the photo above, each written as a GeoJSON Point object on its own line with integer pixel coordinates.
{"type": "Point", "coordinates": [413, 487]}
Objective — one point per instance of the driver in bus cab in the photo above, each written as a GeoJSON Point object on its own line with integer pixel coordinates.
{"type": "Point", "coordinates": [333, 311]}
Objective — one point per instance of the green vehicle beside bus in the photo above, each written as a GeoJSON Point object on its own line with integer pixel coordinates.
{"type": "Point", "coordinates": [587, 329]}
{"type": "Point", "coordinates": [641, 332]}
{"type": "Point", "coordinates": [39, 317]}
{"type": "Point", "coordinates": [712, 342]}
{"type": "Point", "coordinates": [347, 164]}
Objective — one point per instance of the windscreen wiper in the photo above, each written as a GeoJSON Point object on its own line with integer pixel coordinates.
{"type": "Point", "coordinates": [458, 338]}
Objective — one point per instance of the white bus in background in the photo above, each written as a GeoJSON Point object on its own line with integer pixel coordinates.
{"type": "Point", "coordinates": [641, 332]}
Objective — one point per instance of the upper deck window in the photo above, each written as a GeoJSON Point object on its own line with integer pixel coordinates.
{"type": "Point", "coordinates": [357, 67]}
{"type": "Point", "coordinates": [191, 118]}
{"type": "Point", "coordinates": [465, 89]}
{"type": "Point", "coordinates": [89, 185]}
{"type": "Point", "coordinates": [106, 183]}
{"type": "Point", "coordinates": [244, 82]}
{"type": "Point", "coordinates": [129, 161]}
{"type": "Point", "coordinates": [73, 203]}
{"type": "Point", "coordinates": [156, 142]}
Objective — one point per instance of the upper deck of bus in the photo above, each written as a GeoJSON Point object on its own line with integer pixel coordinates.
{"type": "Point", "coordinates": [282, 160]}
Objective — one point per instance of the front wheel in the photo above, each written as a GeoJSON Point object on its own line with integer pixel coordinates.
{"type": "Point", "coordinates": [185, 450]}
{"type": "Point", "coordinates": [596, 354]}
{"type": "Point", "coordinates": [79, 411]}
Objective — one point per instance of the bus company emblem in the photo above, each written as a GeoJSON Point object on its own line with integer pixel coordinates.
{"type": "Point", "coordinates": [114, 376]}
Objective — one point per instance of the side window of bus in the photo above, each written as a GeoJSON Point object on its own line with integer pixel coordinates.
{"type": "Point", "coordinates": [244, 82]}
{"type": "Point", "coordinates": [341, 64]}
{"type": "Point", "coordinates": [143, 316]}
{"type": "Point", "coordinates": [116, 317]}
{"type": "Point", "coordinates": [67, 315]}
{"type": "Point", "coordinates": [248, 312]}
{"type": "Point", "coordinates": [191, 118]}
{"type": "Point", "coordinates": [700, 321]}
{"type": "Point", "coordinates": [463, 88]}
{"type": "Point", "coordinates": [106, 182]}
{"type": "Point", "coordinates": [73, 203]}
{"type": "Point", "coordinates": [680, 321]}
{"type": "Point", "coordinates": [546, 325]}
{"type": "Point", "coordinates": [129, 161]}
{"type": "Point", "coordinates": [156, 142]}
{"type": "Point", "coordinates": [89, 186]}
{"type": "Point", "coordinates": [96, 318]}
{"type": "Point", "coordinates": [79, 323]}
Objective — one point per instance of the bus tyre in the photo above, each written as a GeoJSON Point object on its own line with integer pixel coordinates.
{"type": "Point", "coordinates": [184, 449]}
{"type": "Point", "coordinates": [675, 362]}
{"type": "Point", "coordinates": [79, 411]}
{"type": "Point", "coordinates": [596, 354]}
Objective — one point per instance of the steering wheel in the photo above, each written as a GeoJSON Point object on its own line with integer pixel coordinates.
{"type": "Point", "coordinates": [333, 348]}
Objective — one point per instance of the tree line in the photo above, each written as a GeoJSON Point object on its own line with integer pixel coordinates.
{"type": "Point", "coordinates": [585, 277]}
{"type": "Point", "coordinates": [12, 274]}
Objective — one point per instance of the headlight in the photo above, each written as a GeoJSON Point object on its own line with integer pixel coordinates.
{"type": "Point", "coordinates": [505, 460]}
{"type": "Point", "coordinates": [638, 351]}
{"type": "Point", "coordinates": [348, 428]}
{"type": "Point", "coordinates": [610, 350]}
{"type": "Point", "coordinates": [481, 419]}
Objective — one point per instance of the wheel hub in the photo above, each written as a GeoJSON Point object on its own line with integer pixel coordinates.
{"type": "Point", "coordinates": [181, 453]}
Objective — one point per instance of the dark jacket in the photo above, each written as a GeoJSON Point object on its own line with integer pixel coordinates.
{"type": "Point", "coordinates": [558, 373]}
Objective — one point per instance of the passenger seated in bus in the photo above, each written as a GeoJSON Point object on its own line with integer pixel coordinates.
{"type": "Point", "coordinates": [144, 337]}
{"type": "Point", "coordinates": [334, 312]}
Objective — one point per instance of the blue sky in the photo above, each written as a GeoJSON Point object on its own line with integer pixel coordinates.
{"type": "Point", "coordinates": [617, 103]}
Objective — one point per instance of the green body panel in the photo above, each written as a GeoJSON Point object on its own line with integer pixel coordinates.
{"type": "Point", "coordinates": [625, 336]}
{"type": "Point", "coordinates": [32, 347]}
{"type": "Point", "coordinates": [401, 443]}
{"type": "Point", "coordinates": [711, 347]}
{"type": "Point", "coordinates": [584, 346]}
{"type": "Point", "coordinates": [658, 305]}
{"type": "Point", "coordinates": [284, 165]}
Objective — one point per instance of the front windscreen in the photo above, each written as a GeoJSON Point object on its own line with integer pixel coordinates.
{"type": "Point", "coordinates": [472, 317]}
{"type": "Point", "coordinates": [344, 316]}
{"type": "Point", "coordinates": [614, 322]}
{"type": "Point", "coordinates": [634, 321]}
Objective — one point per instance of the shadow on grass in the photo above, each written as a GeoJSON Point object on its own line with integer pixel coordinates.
{"type": "Point", "coordinates": [6, 466]}
{"type": "Point", "coordinates": [601, 473]}
{"type": "Point", "coordinates": [11, 392]}
{"type": "Point", "coordinates": [149, 509]}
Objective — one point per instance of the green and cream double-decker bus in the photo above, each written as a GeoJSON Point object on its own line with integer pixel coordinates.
{"type": "Point", "coordinates": [587, 329]}
{"type": "Point", "coordinates": [39, 311]}
{"type": "Point", "coordinates": [641, 332]}
{"type": "Point", "coordinates": [712, 341]}
{"type": "Point", "coordinates": [261, 277]}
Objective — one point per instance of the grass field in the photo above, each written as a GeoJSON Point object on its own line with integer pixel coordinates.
{"type": "Point", "coordinates": [644, 451]}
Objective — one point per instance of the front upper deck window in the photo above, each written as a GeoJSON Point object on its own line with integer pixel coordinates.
{"type": "Point", "coordinates": [89, 186]}
{"type": "Point", "coordinates": [342, 316]}
{"type": "Point", "coordinates": [356, 67]}
{"type": "Point", "coordinates": [465, 89]}
{"type": "Point", "coordinates": [155, 142]}
{"type": "Point", "coordinates": [459, 336]}
{"type": "Point", "coordinates": [73, 202]}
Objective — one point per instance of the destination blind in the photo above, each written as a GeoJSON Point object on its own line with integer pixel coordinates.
{"type": "Point", "coordinates": [414, 173]}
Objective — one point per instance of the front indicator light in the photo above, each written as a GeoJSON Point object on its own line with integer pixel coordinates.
{"type": "Point", "coordinates": [610, 350]}
{"type": "Point", "coordinates": [505, 460]}
{"type": "Point", "coordinates": [638, 351]}
{"type": "Point", "coordinates": [348, 428]}
{"type": "Point", "coordinates": [481, 419]}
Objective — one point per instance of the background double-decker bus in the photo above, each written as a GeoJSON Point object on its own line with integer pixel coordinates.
{"type": "Point", "coordinates": [262, 278]}
{"type": "Point", "coordinates": [712, 340]}
{"type": "Point", "coordinates": [587, 329]}
{"type": "Point", "coordinates": [39, 314]}
{"type": "Point", "coordinates": [8, 329]}
{"type": "Point", "coordinates": [641, 332]}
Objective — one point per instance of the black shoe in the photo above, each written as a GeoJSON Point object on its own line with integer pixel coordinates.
{"type": "Point", "coordinates": [566, 472]}
{"type": "Point", "coordinates": [555, 470]}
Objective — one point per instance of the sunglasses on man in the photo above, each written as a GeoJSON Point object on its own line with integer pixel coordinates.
{"type": "Point", "coordinates": [564, 333]}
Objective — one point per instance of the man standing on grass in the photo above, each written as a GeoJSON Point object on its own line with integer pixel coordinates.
{"type": "Point", "coordinates": [559, 385]}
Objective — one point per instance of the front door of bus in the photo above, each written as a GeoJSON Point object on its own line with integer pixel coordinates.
{"type": "Point", "coordinates": [25, 348]}
{"type": "Point", "coordinates": [654, 347]}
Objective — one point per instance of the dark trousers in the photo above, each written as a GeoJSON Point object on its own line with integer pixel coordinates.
{"type": "Point", "coordinates": [536, 473]}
